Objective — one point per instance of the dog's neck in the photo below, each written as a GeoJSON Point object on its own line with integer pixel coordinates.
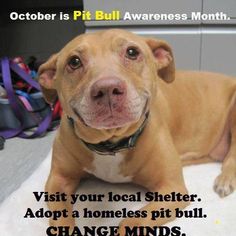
{"type": "Point", "coordinates": [111, 148]}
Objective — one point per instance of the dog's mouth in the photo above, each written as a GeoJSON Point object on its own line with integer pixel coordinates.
{"type": "Point", "coordinates": [110, 119]}
{"type": "Point", "coordinates": [79, 117]}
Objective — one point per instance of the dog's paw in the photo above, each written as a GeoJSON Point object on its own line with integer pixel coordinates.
{"type": "Point", "coordinates": [129, 223]}
{"type": "Point", "coordinates": [225, 184]}
{"type": "Point", "coordinates": [63, 222]}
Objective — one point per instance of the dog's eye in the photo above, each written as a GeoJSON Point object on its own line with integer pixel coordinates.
{"type": "Point", "coordinates": [75, 63]}
{"type": "Point", "coordinates": [132, 53]}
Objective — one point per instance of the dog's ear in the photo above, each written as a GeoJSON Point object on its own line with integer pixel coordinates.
{"type": "Point", "coordinates": [46, 79]}
{"type": "Point", "coordinates": [163, 55]}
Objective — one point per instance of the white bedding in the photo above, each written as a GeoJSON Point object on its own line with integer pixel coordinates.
{"type": "Point", "coordinates": [221, 213]}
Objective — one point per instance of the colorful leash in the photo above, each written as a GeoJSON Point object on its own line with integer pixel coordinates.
{"type": "Point", "coordinates": [6, 65]}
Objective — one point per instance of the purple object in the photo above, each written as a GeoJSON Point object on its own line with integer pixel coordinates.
{"type": "Point", "coordinates": [6, 65]}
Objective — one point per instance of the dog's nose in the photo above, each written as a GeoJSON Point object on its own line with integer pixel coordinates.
{"type": "Point", "coordinates": [108, 89]}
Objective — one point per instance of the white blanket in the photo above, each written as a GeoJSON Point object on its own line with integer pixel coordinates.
{"type": "Point", "coordinates": [221, 213]}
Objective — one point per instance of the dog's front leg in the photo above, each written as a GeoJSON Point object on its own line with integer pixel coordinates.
{"type": "Point", "coordinates": [64, 178]}
{"type": "Point", "coordinates": [57, 183]}
{"type": "Point", "coordinates": [162, 173]}
{"type": "Point", "coordinates": [151, 220]}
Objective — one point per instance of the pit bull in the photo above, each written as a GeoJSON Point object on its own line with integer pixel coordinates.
{"type": "Point", "coordinates": [130, 116]}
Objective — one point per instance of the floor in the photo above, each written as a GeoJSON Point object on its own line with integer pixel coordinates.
{"type": "Point", "coordinates": [19, 159]}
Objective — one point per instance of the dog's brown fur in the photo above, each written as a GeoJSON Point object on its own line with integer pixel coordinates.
{"type": "Point", "coordinates": [192, 120]}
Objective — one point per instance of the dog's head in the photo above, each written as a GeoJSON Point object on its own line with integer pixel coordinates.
{"type": "Point", "coordinates": [105, 80]}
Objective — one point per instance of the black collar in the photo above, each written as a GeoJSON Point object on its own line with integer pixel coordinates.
{"type": "Point", "coordinates": [110, 148]}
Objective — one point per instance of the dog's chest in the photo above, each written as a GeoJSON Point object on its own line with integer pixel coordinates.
{"type": "Point", "coordinates": [107, 168]}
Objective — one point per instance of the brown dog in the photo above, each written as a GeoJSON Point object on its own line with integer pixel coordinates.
{"type": "Point", "coordinates": [123, 120]}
